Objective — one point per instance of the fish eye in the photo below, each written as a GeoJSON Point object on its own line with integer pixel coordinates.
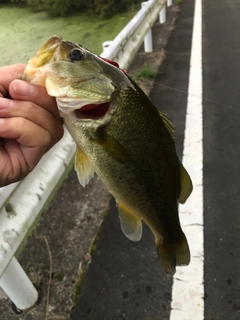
{"type": "Point", "coordinates": [76, 55]}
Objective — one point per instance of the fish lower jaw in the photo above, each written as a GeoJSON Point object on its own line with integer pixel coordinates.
{"type": "Point", "coordinates": [83, 109]}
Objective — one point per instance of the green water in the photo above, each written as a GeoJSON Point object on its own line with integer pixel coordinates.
{"type": "Point", "coordinates": [23, 32]}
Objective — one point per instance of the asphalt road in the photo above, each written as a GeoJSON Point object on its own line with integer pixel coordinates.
{"type": "Point", "coordinates": [124, 280]}
{"type": "Point", "coordinates": [221, 82]}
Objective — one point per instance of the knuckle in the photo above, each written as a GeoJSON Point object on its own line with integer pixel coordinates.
{"type": "Point", "coordinates": [20, 122]}
{"type": "Point", "coordinates": [31, 107]}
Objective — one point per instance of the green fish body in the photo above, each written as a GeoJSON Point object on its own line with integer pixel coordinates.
{"type": "Point", "coordinates": [121, 137]}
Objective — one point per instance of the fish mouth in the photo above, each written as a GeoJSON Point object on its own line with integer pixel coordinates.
{"type": "Point", "coordinates": [92, 111]}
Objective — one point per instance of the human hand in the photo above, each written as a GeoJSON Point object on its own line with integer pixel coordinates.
{"type": "Point", "coordinates": [29, 124]}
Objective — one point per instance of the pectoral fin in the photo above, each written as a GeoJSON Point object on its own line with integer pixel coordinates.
{"type": "Point", "coordinates": [131, 224]}
{"type": "Point", "coordinates": [83, 167]}
{"type": "Point", "coordinates": [186, 184]}
{"type": "Point", "coordinates": [110, 145]}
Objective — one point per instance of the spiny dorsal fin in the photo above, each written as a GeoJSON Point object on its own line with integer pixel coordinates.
{"type": "Point", "coordinates": [83, 167]}
{"type": "Point", "coordinates": [186, 184]}
{"type": "Point", "coordinates": [168, 124]}
{"type": "Point", "coordinates": [131, 225]}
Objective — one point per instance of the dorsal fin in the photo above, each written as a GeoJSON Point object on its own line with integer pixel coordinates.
{"type": "Point", "coordinates": [186, 184]}
{"type": "Point", "coordinates": [131, 224]}
{"type": "Point", "coordinates": [168, 123]}
{"type": "Point", "coordinates": [83, 167]}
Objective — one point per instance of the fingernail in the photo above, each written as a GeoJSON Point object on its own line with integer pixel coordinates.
{"type": "Point", "coordinates": [22, 88]}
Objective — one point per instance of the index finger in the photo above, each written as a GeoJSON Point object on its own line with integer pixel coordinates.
{"type": "Point", "coordinates": [8, 74]}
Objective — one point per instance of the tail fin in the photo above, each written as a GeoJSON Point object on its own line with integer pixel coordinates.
{"type": "Point", "coordinates": [173, 254]}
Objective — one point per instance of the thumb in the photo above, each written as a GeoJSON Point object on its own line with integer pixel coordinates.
{"type": "Point", "coordinates": [21, 90]}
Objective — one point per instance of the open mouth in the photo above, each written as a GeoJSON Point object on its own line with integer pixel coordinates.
{"type": "Point", "coordinates": [92, 111]}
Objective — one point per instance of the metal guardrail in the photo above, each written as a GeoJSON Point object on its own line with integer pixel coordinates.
{"type": "Point", "coordinates": [21, 204]}
{"type": "Point", "coordinates": [20, 213]}
{"type": "Point", "coordinates": [126, 44]}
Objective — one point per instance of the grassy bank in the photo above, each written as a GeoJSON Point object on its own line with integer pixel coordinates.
{"type": "Point", "coordinates": [23, 32]}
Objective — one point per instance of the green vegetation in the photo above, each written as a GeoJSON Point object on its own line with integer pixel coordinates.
{"type": "Point", "coordinates": [60, 276]}
{"type": "Point", "coordinates": [100, 8]}
{"type": "Point", "coordinates": [79, 282]}
{"type": "Point", "coordinates": [23, 32]}
{"type": "Point", "coordinates": [145, 73]}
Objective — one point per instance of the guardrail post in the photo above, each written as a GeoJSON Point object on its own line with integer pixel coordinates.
{"type": "Point", "coordinates": [162, 15]}
{"type": "Point", "coordinates": [16, 284]}
{"type": "Point", "coordinates": [169, 3]}
{"type": "Point", "coordinates": [148, 45]}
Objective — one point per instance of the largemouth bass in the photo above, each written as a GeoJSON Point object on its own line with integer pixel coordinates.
{"type": "Point", "coordinates": [123, 138]}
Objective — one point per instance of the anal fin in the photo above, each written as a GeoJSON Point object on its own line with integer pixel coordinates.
{"type": "Point", "coordinates": [131, 224]}
{"type": "Point", "coordinates": [83, 167]}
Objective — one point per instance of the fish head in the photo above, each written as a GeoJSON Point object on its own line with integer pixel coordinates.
{"type": "Point", "coordinates": [83, 83]}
